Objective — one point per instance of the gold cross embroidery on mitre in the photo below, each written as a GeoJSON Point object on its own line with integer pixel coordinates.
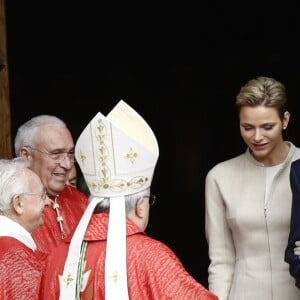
{"type": "Point", "coordinates": [131, 155]}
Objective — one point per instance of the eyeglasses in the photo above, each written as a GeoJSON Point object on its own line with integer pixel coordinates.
{"type": "Point", "coordinates": [43, 196]}
{"type": "Point", "coordinates": [152, 199]}
{"type": "Point", "coordinates": [57, 155]}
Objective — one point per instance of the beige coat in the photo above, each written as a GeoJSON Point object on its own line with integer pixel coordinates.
{"type": "Point", "coordinates": [246, 245]}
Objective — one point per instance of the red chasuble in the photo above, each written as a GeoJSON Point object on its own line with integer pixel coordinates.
{"type": "Point", "coordinates": [20, 271]}
{"type": "Point", "coordinates": [154, 271]}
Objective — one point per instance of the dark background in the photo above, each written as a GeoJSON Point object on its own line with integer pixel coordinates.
{"type": "Point", "coordinates": [180, 67]}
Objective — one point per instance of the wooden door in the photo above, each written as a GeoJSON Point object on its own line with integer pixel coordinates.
{"type": "Point", "coordinates": [5, 122]}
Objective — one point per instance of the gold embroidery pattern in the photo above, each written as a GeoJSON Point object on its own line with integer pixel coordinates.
{"type": "Point", "coordinates": [68, 279]}
{"type": "Point", "coordinates": [131, 155]}
{"type": "Point", "coordinates": [82, 157]}
{"type": "Point", "coordinates": [105, 182]}
{"type": "Point", "coordinates": [115, 277]}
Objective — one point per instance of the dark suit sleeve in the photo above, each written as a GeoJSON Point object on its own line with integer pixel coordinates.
{"type": "Point", "coordinates": [294, 235]}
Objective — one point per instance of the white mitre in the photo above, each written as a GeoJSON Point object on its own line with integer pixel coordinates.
{"type": "Point", "coordinates": [117, 155]}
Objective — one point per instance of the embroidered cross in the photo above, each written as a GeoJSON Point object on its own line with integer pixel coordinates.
{"type": "Point", "coordinates": [115, 276]}
{"type": "Point", "coordinates": [82, 157]}
{"type": "Point", "coordinates": [68, 279]}
{"type": "Point", "coordinates": [131, 155]}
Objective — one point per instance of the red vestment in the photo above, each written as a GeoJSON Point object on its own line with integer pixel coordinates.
{"type": "Point", "coordinates": [153, 270]}
{"type": "Point", "coordinates": [72, 204]}
{"type": "Point", "coordinates": [20, 270]}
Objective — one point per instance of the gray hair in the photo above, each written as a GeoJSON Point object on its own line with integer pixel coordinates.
{"type": "Point", "coordinates": [130, 202]}
{"type": "Point", "coordinates": [13, 179]}
{"type": "Point", "coordinates": [27, 133]}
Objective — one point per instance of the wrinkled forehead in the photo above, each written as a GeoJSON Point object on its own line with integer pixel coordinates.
{"type": "Point", "coordinates": [55, 138]}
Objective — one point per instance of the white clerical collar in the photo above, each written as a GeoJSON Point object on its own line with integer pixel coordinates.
{"type": "Point", "coordinates": [11, 228]}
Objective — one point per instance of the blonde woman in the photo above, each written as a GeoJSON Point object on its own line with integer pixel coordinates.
{"type": "Point", "coordinates": [248, 202]}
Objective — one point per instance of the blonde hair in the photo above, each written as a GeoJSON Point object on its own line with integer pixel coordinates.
{"type": "Point", "coordinates": [264, 91]}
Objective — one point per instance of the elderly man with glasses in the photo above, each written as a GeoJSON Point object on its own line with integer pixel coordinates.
{"type": "Point", "coordinates": [22, 202]}
{"type": "Point", "coordinates": [47, 144]}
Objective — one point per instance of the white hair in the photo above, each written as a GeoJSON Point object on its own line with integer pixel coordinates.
{"type": "Point", "coordinates": [13, 179]}
{"type": "Point", "coordinates": [28, 132]}
{"type": "Point", "coordinates": [130, 201]}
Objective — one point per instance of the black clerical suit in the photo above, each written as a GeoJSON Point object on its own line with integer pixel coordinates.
{"type": "Point", "coordinates": [292, 259]}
